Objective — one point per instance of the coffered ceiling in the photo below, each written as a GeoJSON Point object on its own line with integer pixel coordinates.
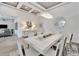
{"type": "Point", "coordinates": [33, 7]}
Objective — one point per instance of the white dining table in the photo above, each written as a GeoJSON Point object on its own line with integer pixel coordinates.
{"type": "Point", "coordinates": [43, 44]}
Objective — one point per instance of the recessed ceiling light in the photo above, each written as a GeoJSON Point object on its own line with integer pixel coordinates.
{"type": "Point", "coordinates": [46, 15]}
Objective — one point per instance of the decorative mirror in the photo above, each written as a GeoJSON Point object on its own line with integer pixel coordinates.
{"type": "Point", "coordinates": [60, 23]}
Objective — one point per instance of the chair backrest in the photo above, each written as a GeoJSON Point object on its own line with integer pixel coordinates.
{"type": "Point", "coordinates": [71, 38]}
{"type": "Point", "coordinates": [19, 47]}
{"type": "Point", "coordinates": [23, 50]}
{"type": "Point", "coordinates": [61, 47]}
{"type": "Point", "coordinates": [64, 52]}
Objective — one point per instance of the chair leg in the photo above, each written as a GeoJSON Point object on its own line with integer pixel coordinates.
{"type": "Point", "coordinates": [28, 46]}
{"type": "Point", "coordinates": [71, 47]}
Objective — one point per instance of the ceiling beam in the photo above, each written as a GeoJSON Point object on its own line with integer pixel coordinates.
{"type": "Point", "coordinates": [31, 10]}
{"type": "Point", "coordinates": [33, 7]}
{"type": "Point", "coordinates": [38, 6]}
{"type": "Point", "coordinates": [19, 5]}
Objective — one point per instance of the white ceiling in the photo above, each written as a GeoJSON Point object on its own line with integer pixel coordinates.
{"type": "Point", "coordinates": [11, 3]}
{"type": "Point", "coordinates": [33, 7]}
{"type": "Point", "coordinates": [47, 5]}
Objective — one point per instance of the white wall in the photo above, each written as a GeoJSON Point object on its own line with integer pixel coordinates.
{"type": "Point", "coordinates": [71, 13]}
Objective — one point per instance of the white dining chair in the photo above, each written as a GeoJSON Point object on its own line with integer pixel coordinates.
{"type": "Point", "coordinates": [61, 47]}
{"type": "Point", "coordinates": [71, 47]}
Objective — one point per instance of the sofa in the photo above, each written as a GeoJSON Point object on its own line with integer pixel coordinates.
{"type": "Point", "coordinates": [7, 32]}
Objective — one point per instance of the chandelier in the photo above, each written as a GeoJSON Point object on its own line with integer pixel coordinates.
{"type": "Point", "coordinates": [28, 24]}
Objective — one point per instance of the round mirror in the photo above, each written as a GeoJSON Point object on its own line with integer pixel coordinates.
{"type": "Point", "coordinates": [60, 23]}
